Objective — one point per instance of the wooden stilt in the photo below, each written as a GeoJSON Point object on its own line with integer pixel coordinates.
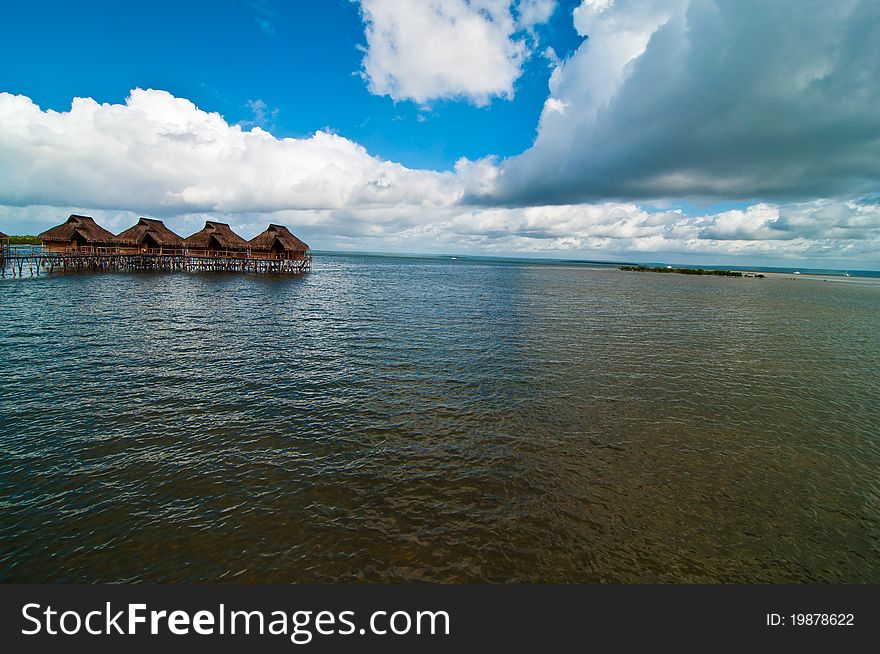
{"type": "Point", "coordinates": [37, 262]}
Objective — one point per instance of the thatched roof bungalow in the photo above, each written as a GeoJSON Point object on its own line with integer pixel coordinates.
{"type": "Point", "coordinates": [77, 233]}
{"type": "Point", "coordinates": [278, 243]}
{"type": "Point", "coordinates": [149, 235]}
{"type": "Point", "coordinates": [214, 237]}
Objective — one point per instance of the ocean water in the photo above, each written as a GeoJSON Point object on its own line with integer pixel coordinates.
{"type": "Point", "coordinates": [394, 420]}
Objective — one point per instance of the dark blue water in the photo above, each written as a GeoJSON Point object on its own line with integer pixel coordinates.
{"type": "Point", "coordinates": [388, 419]}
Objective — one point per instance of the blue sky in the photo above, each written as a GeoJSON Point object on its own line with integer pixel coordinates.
{"type": "Point", "coordinates": [694, 131]}
{"type": "Point", "coordinates": [300, 58]}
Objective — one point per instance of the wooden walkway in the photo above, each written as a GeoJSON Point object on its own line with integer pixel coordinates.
{"type": "Point", "coordinates": [21, 262]}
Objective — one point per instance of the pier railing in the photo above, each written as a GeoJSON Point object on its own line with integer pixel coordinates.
{"type": "Point", "coordinates": [37, 259]}
{"type": "Point", "coordinates": [175, 252]}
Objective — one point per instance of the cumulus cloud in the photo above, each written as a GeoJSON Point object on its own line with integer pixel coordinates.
{"type": "Point", "coordinates": [534, 12]}
{"type": "Point", "coordinates": [440, 49]}
{"type": "Point", "coordinates": [263, 116]}
{"type": "Point", "coordinates": [828, 231]}
{"type": "Point", "coordinates": [161, 154]}
{"type": "Point", "coordinates": [709, 98]}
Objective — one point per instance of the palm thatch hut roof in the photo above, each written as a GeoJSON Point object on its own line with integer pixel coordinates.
{"type": "Point", "coordinates": [147, 230]}
{"type": "Point", "coordinates": [277, 238]}
{"type": "Point", "coordinates": [82, 229]}
{"type": "Point", "coordinates": [2, 235]}
{"type": "Point", "coordinates": [215, 236]}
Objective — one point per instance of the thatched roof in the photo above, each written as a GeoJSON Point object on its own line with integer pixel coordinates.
{"type": "Point", "coordinates": [215, 236]}
{"type": "Point", "coordinates": [277, 237]}
{"type": "Point", "coordinates": [149, 227]}
{"type": "Point", "coordinates": [2, 235]}
{"type": "Point", "coordinates": [85, 226]}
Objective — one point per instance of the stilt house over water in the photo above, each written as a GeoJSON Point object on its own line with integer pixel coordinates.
{"type": "Point", "coordinates": [278, 243]}
{"type": "Point", "coordinates": [80, 233]}
{"type": "Point", "coordinates": [213, 239]}
{"type": "Point", "coordinates": [80, 244]}
{"type": "Point", "coordinates": [149, 236]}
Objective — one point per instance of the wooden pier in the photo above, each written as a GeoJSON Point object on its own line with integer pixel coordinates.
{"type": "Point", "coordinates": [81, 245]}
{"type": "Point", "coordinates": [33, 261]}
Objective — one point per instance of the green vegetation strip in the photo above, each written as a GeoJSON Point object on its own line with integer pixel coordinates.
{"type": "Point", "coordinates": [685, 271]}
{"type": "Point", "coordinates": [24, 240]}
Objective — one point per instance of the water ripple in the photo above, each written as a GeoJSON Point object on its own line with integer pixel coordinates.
{"type": "Point", "coordinates": [403, 420]}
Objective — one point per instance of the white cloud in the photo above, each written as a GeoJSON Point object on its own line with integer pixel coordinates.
{"type": "Point", "coordinates": [440, 49]}
{"type": "Point", "coordinates": [161, 156]}
{"type": "Point", "coordinates": [534, 12]}
{"type": "Point", "coordinates": [709, 98]}
{"type": "Point", "coordinates": [824, 232]}
{"type": "Point", "coordinates": [263, 117]}
{"type": "Point", "coordinates": [555, 105]}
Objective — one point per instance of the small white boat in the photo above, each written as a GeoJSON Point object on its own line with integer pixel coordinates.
{"type": "Point", "coordinates": [797, 272]}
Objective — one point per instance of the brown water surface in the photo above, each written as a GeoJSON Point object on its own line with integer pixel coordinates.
{"type": "Point", "coordinates": [388, 419]}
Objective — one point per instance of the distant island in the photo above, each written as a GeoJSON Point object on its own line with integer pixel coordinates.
{"type": "Point", "coordinates": [688, 271]}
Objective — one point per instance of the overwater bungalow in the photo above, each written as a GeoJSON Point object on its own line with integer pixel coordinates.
{"type": "Point", "coordinates": [214, 238]}
{"type": "Point", "coordinates": [149, 236]}
{"type": "Point", "coordinates": [80, 233]}
{"type": "Point", "coordinates": [80, 244]}
{"type": "Point", "coordinates": [278, 243]}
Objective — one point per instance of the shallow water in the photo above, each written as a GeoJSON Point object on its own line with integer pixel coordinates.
{"type": "Point", "coordinates": [389, 419]}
